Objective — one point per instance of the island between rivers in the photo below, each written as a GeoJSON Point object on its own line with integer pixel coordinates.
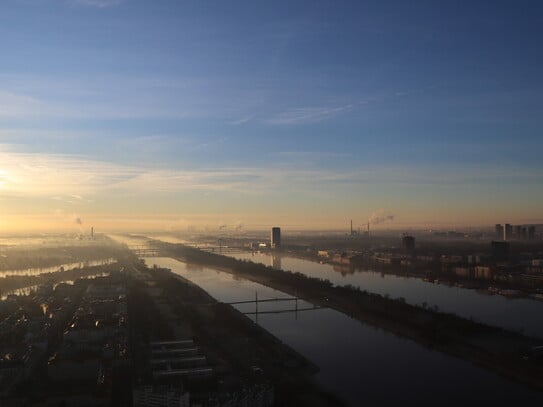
{"type": "Point", "coordinates": [499, 350]}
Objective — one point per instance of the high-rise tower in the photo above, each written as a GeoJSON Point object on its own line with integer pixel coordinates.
{"type": "Point", "coordinates": [275, 237]}
{"type": "Point", "coordinates": [507, 232]}
{"type": "Point", "coordinates": [499, 231]}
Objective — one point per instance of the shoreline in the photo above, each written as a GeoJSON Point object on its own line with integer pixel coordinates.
{"type": "Point", "coordinates": [432, 276]}
{"type": "Point", "coordinates": [452, 335]}
{"type": "Point", "coordinates": [230, 335]}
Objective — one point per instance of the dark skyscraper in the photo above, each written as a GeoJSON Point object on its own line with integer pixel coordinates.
{"type": "Point", "coordinates": [408, 243]}
{"type": "Point", "coordinates": [498, 231]}
{"type": "Point", "coordinates": [517, 231]}
{"type": "Point", "coordinates": [507, 232]}
{"type": "Point", "coordinates": [531, 232]}
{"type": "Point", "coordinates": [275, 237]}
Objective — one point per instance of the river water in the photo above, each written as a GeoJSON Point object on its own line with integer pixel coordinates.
{"type": "Point", "coordinates": [23, 291]}
{"type": "Point", "coordinates": [360, 363]}
{"type": "Point", "coordinates": [519, 314]}
{"type": "Point", "coordinates": [36, 271]}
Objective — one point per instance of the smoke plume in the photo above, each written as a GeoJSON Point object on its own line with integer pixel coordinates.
{"type": "Point", "coordinates": [380, 216]}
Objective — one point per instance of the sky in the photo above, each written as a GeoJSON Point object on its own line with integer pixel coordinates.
{"type": "Point", "coordinates": [180, 114]}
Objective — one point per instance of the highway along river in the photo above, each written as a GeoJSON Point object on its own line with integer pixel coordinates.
{"type": "Point", "coordinates": [361, 363]}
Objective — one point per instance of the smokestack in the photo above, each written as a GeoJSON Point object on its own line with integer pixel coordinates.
{"type": "Point", "coordinates": [92, 232]}
{"type": "Point", "coordinates": [351, 226]}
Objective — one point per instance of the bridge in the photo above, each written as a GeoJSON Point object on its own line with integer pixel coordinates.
{"type": "Point", "coordinates": [145, 251]}
{"type": "Point", "coordinates": [219, 249]}
{"type": "Point", "coordinates": [283, 311]}
{"type": "Point", "coordinates": [256, 300]}
{"type": "Point", "coordinates": [257, 312]}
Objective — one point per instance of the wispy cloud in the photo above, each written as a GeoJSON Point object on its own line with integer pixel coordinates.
{"type": "Point", "coordinates": [78, 180]}
{"type": "Point", "coordinates": [46, 175]}
{"type": "Point", "coordinates": [68, 178]}
{"type": "Point", "coordinates": [98, 3]}
{"type": "Point", "coordinates": [119, 97]}
{"type": "Point", "coordinates": [16, 105]}
{"type": "Point", "coordinates": [308, 115]}
{"type": "Point", "coordinates": [243, 120]}
{"type": "Point", "coordinates": [22, 105]}
{"type": "Point", "coordinates": [311, 155]}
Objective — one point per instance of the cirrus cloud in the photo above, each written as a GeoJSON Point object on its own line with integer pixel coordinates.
{"type": "Point", "coordinates": [99, 3]}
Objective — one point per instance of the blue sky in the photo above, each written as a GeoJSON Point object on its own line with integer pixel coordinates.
{"type": "Point", "coordinates": [302, 112]}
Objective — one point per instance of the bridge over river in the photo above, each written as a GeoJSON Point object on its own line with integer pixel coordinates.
{"type": "Point", "coordinates": [257, 301]}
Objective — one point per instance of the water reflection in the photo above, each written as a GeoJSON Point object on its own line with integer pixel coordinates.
{"type": "Point", "coordinates": [276, 262]}
{"type": "Point", "coordinates": [23, 291]}
{"type": "Point", "coordinates": [28, 290]}
{"type": "Point", "coordinates": [36, 271]}
{"type": "Point", "coordinates": [343, 269]}
{"type": "Point", "coordinates": [194, 267]}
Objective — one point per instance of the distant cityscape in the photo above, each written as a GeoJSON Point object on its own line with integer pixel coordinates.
{"type": "Point", "coordinates": [514, 232]}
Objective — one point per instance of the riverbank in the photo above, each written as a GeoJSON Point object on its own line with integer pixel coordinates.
{"type": "Point", "coordinates": [237, 347]}
{"type": "Point", "coordinates": [493, 348]}
{"type": "Point", "coordinates": [482, 287]}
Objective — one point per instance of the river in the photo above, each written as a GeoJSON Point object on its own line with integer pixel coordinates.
{"type": "Point", "coordinates": [362, 364]}
{"type": "Point", "coordinates": [36, 271]}
{"type": "Point", "coordinates": [519, 314]}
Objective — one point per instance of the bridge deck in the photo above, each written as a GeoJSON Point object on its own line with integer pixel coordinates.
{"type": "Point", "coordinates": [264, 300]}
{"type": "Point", "coordinates": [284, 311]}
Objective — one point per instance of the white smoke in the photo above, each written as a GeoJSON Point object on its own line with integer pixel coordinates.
{"type": "Point", "coordinates": [239, 226]}
{"type": "Point", "coordinates": [79, 222]}
{"type": "Point", "coordinates": [380, 216]}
